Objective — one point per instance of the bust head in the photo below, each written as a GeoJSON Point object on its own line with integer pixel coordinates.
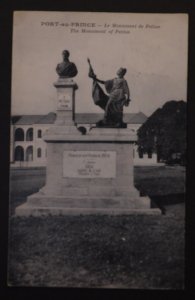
{"type": "Point", "coordinates": [121, 72]}
{"type": "Point", "coordinates": [65, 54]}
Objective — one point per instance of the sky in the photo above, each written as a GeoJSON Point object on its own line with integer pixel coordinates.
{"type": "Point", "coordinates": [152, 47]}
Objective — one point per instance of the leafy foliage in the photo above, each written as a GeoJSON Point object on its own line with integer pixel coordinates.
{"type": "Point", "coordinates": [165, 131]}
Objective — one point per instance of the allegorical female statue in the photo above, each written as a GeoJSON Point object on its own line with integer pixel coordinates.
{"type": "Point", "coordinates": [66, 69]}
{"type": "Point", "coordinates": [113, 103]}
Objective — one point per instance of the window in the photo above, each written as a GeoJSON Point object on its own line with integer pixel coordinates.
{"type": "Point", "coordinates": [29, 134]}
{"type": "Point", "coordinates": [19, 134]}
{"type": "Point", "coordinates": [39, 152]}
{"type": "Point", "coordinates": [39, 133]}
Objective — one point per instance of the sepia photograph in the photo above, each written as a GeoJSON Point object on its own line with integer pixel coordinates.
{"type": "Point", "coordinates": [98, 150]}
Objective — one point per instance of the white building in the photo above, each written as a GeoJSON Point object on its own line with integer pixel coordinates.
{"type": "Point", "coordinates": [27, 146]}
{"type": "Point", "coordinates": [28, 149]}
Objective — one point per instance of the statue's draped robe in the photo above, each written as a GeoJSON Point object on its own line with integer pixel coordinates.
{"type": "Point", "coordinates": [117, 89]}
{"type": "Point", "coordinates": [113, 104]}
{"type": "Point", "coordinates": [99, 97]}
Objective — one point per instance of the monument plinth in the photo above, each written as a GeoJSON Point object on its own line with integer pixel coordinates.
{"type": "Point", "coordinates": [65, 101]}
{"type": "Point", "coordinates": [86, 174]}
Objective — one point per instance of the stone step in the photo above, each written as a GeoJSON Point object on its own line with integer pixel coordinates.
{"type": "Point", "coordinates": [28, 210]}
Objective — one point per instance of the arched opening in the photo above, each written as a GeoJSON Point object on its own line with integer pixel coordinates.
{"type": "Point", "coordinates": [39, 152]}
{"type": "Point", "coordinates": [19, 134]}
{"type": "Point", "coordinates": [19, 154]}
{"type": "Point", "coordinates": [29, 134]}
{"type": "Point", "coordinates": [29, 153]}
{"type": "Point", "coordinates": [39, 133]}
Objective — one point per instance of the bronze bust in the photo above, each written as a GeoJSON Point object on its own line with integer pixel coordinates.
{"type": "Point", "coordinates": [66, 69]}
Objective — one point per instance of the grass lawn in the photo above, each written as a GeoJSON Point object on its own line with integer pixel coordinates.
{"type": "Point", "coordinates": [101, 251]}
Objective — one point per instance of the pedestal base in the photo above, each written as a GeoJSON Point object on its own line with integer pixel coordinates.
{"type": "Point", "coordinates": [38, 205]}
{"type": "Point", "coordinates": [88, 174]}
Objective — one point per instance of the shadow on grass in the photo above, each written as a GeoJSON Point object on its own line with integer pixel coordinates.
{"type": "Point", "coordinates": [163, 201]}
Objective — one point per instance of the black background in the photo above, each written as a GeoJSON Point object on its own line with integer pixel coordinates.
{"type": "Point", "coordinates": [146, 6]}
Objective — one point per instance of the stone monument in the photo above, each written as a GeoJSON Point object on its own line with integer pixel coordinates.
{"type": "Point", "coordinates": [86, 173]}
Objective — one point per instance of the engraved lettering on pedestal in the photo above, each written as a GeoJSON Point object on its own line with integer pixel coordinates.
{"type": "Point", "coordinates": [89, 164]}
{"type": "Point", "coordinates": [65, 102]}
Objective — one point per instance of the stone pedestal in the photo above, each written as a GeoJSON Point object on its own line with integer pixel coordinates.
{"type": "Point", "coordinates": [86, 174]}
{"type": "Point", "coordinates": [65, 101]}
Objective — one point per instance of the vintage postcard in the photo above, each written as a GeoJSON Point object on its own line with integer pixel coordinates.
{"type": "Point", "coordinates": [97, 150]}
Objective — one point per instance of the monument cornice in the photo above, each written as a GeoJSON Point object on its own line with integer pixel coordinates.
{"type": "Point", "coordinates": [96, 135]}
{"type": "Point", "coordinates": [53, 139]}
{"type": "Point", "coordinates": [65, 83]}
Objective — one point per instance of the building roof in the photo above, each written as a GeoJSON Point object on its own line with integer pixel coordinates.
{"type": "Point", "coordinates": [81, 118]}
{"type": "Point", "coordinates": [14, 119]}
{"type": "Point", "coordinates": [135, 118]}
{"type": "Point", "coordinates": [47, 119]}
{"type": "Point", "coordinates": [28, 119]}
{"type": "Point", "coordinates": [130, 118]}
{"type": "Point", "coordinates": [34, 119]}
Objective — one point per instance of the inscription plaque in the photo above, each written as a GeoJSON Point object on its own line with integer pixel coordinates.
{"type": "Point", "coordinates": [89, 164]}
{"type": "Point", "coordinates": [65, 99]}
{"type": "Point", "coordinates": [64, 102]}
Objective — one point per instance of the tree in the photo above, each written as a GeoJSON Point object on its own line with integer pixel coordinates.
{"type": "Point", "coordinates": [164, 132]}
